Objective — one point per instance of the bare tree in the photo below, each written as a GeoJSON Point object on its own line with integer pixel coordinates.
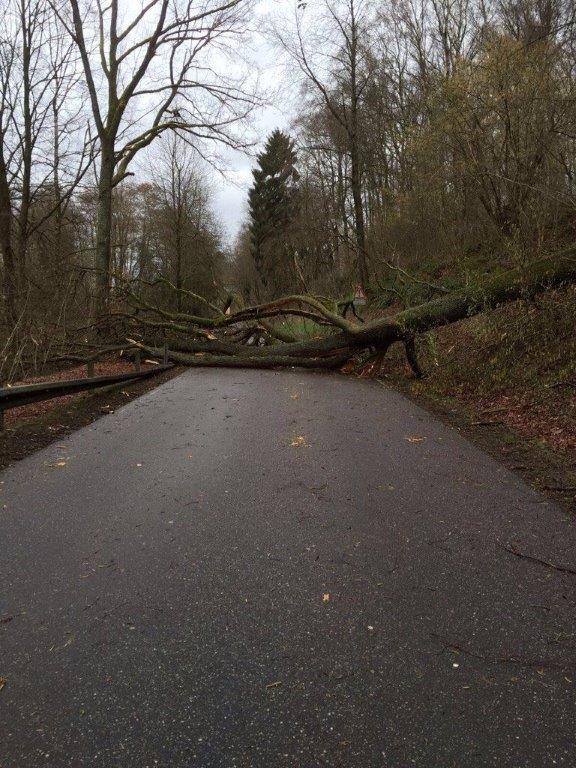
{"type": "Point", "coordinates": [7, 64]}
{"type": "Point", "coordinates": [41, 142]}
{"type": "Point", "coordinates": [186, 221]}
{"type": "Point", "coordinates": [154, 72]}
{"type": "Point", "coordinates": [331, 51]}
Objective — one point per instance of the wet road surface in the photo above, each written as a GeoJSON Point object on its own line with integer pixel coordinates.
{"type": "Point", "coordinates": [267, 569]}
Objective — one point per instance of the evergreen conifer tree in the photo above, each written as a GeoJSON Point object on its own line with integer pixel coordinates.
{"type": "Point", "coordinates": [272, 203]}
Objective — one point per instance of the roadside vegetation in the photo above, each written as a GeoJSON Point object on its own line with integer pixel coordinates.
{"type": "Point", "coordinates": [514, 366]}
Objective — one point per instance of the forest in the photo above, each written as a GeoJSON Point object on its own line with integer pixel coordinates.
{"type": "Point", "coordinates": [426, 175]}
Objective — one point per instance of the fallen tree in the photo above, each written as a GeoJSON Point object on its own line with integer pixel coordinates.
{"type": "Point", "coordinates": [249, 337]}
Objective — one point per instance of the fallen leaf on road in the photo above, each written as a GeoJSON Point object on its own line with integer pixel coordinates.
{"type": "Point", "coordinates": [298, 442]}
{"type": "Point", "coordinates": [414, 439]}
{"type": "Point", "coordinates": [68, 642]}
{"type": "Point", "coordinates": [3, 682]}
{"type": "Point", "coordinates": [275, 684]}
{"type": "Point", "coordinates": [59, 463]}
{"type": "Point", "coordinates": [326, 597]}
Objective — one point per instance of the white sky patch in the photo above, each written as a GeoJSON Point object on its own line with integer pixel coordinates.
{"type": "Point", "coordinates": [230, 189]}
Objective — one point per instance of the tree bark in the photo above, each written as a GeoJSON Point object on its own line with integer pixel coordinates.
{"type": "Point", "coordinates": [347, 339]}
{"type": "Point", "coordinates": [355, 155]}
{"type": "Point", "coordinates": [28, 27]}
{"type": "Point", "coordinates": [103, 253]}
{"type": "Point", "coordinates": [356, 186]}
{"type": "Point", "coordinates": [6, 249]}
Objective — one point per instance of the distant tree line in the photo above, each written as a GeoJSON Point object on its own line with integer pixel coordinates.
{"type": "Point", "coordinates": [435, 141]}
{"type": "Point", "coordinates": [90, 95]}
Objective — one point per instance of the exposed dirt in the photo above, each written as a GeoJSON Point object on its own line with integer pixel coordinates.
{"type": "Point", "coordinates": [32, 427]}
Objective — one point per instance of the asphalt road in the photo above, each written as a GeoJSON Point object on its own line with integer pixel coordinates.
{"type": "Point", "coordinates": [268, 569]}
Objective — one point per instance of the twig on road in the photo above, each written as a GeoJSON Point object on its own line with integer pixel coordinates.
{"type": "Point", "coordinates": [533, 663]}
{"type": "Point", "coordinates": [540, 561]}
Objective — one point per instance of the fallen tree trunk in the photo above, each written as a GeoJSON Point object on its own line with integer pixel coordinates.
{"type": "Point", "coordinates": [345, 340]}
{"type": "Point", "coordinates": [248, 361]}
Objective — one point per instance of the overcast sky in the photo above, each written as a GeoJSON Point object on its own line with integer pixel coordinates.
{"type": "Point", "coordinates": [230, 183]}
{"type": "Point", "coordinates": [230, 192]}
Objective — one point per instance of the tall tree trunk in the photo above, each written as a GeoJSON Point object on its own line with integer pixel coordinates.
{"type": "Point", "coordinates": [355, 157]}
{"type": "Point", "coordinates": [179, 226]}
{"type": "Point", "coordinates": [356, 185]}
{"type": "Point", "coordinates": [103, 253]}
{"type": "Point", "coordinates": [28, 28]}
{"type": "Point", "coordinates": [340, 207]}
{"type": "Point", "coordinates": [179, 278]}
{"type": "Point", "coordinates": [59, 213]}
{"type": "Point", "coordinates": [6, 249]}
